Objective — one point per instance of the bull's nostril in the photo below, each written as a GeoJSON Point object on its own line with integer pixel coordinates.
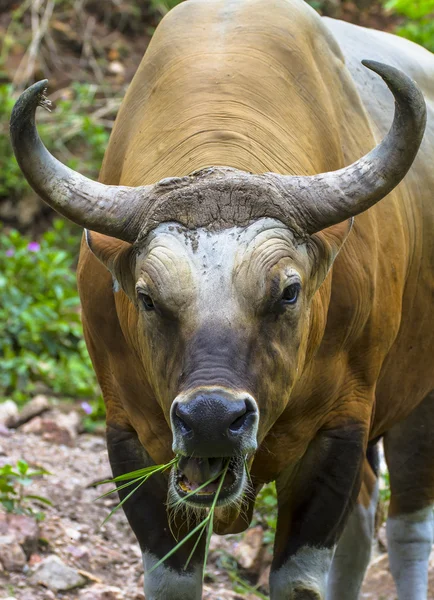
{"type": "Point", "coordinates": [183, 427]}
{"type": "Point", "coordinates": [180, 418]}
{"type": "Point", "coordinates": [238, 423]}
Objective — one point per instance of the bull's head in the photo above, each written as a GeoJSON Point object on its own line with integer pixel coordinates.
{"type": "Point", "coordinates": [223, 269]}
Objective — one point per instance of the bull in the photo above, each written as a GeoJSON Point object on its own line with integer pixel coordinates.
{"type": "Point", "coordinates": [234, 311]}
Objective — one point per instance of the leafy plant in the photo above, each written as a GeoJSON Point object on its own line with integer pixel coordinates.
{"type": "Point", "coordinates": [41, 330]}
{"type": "Point", "coordinates": [385, 487]}
{"type": "Point", "coordinates": [419, 20]}
{"type": "Point", "coordinates": [266, 511]}
{"type": "Point", "coordinates": [14, 481]}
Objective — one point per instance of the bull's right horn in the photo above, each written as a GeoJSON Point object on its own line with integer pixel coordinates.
{"type": "Point", "coordinates": [109, 209]}
{"type": "Point", "coordinates": [319, 201]}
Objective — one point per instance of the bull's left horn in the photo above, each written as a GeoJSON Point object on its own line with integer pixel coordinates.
{"type": "Point", "coordinates": [109, 209]}
{"type": "Point", "coordinates": [323, 200]}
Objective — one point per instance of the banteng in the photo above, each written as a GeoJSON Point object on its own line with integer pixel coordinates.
{"type": "Point", "coordinates": [234, 310]}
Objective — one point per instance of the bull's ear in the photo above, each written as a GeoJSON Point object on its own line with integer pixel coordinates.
{"type": "Point", "coordinates": [326, 245]}
{"type": "Point", "coordinates": [116, 255]}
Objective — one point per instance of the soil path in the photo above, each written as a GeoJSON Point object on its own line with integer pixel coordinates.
{"type": "Point", "coordinates": [109, 554]}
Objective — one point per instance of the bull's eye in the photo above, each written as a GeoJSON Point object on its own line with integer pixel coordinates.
{"type": "Point", "coordinates": [146, 301]}
{"type": "Point", "coordinates": [290, 293]}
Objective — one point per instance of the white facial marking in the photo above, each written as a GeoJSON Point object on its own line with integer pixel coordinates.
{"type": "Point", "coordinates": [409, 540]}
{"type": "Point", "coordinates": [203, 265]}
{"type": "Point", "coordinates": [165, 583]}
{"type": "Point", "coordinates": [353, 552]}
{"type": "Point", "coordinates": [307, 570]}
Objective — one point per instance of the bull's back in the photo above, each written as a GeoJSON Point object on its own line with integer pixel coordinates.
{"type": "Point", "coordinates": [240, 83]}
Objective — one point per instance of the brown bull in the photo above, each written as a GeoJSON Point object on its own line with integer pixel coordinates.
{"type": "Point", "coordinates": [224, 314]}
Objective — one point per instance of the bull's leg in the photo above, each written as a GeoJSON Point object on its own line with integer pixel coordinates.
{"type": "Point", "coordinates": [313, 507]}
{"type": "Point", "coordinates": [146, 513]}
{"type": "Point", "coordinates": [353, 551]}
{"type": "Point", "coordinates": [409, 449]}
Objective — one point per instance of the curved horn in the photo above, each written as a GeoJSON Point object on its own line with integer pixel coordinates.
{"type": "Point", "coordinates": [109, 209]}
{"type": "Point", "coordinates": [320, 201]}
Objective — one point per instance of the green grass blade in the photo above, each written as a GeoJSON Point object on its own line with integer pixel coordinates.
{"type": "Point", "coordinates": [140, 472]}
{"type": "Point", "coordinates": [211, 518]}
{"type": "Point", "coordinates": [38, 498]}
{"type": "Point", "coordinates": [121, 487]}
{"type": "Point", "coordinates": [199, 537]}
{"type": "Point", "coordinates": [179, 544]}
{"type": "Point", "coordinates": [117, 507]}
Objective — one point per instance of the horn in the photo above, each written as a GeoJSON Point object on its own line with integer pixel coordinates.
{"type": "Point", "coordinates": [109, 209]}
{"type": "Point", "coordinates": [320, 201]}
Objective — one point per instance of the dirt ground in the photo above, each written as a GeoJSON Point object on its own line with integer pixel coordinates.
{"type": "Point", "coordinates": [109, 554]}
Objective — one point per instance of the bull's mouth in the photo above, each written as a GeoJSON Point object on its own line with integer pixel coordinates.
{"type": "Point", "coordinates": [197, 480]}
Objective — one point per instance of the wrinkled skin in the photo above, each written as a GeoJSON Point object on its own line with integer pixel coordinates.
{"type": "Point", "coordinates": [349, 362]}
{"type": "Point", "coordinates": [217, 298]}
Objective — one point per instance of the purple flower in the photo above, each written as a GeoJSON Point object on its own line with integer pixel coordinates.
{"type": "Point", "coordinates": [86, 407]}
{"type": "Point", "coordinates": [10, 252]}
{"type": "Point", "coordinates": [34, 247]}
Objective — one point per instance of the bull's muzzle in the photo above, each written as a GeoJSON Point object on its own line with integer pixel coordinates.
{"type": "Point", "coordinates": [210, 423]}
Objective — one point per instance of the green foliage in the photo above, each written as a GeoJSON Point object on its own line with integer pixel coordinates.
{"type": "Point", "coordinates": [14, 481]}
{"type": "Point", "coordinates": [12, 181]}
{"type": "Point", "coordinates": [266, 511]}
{"type": "Point", "coordinates": [385, 488]}
{"type": "Point", "coordinates": [72, 132]}
{"type": "Point", "coordinates": [41, 330]}
{"type": "Point", "coordinates": [419, 24]}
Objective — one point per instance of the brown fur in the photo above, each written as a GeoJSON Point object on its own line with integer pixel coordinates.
{"type": "Point", "coordinates": [262, 88]}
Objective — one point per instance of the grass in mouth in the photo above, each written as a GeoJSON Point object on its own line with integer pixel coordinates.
{"type": "Point", "coordinates": [140, 477]}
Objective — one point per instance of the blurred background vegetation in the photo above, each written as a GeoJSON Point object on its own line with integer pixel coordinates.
{"type": "Point", "coordinates": [89, 51]}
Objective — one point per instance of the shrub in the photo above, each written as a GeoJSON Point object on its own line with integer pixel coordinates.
{"type": "Point", "coordinates": [419, 22]}
{"type": "Point", "coordinates": [42, 337]}
{"type": "Point", "coordinates": [14, 480]}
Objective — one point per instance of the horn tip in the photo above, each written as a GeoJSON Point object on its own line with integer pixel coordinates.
{"type": "Point", "coordinates": [29, 100]}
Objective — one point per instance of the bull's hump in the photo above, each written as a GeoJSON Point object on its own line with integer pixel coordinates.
{"type": "Point", "coordinates": [220, 85]}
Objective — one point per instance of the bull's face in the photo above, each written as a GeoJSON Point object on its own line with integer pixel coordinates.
{"type": "Point", "coordinates": [224, 322]}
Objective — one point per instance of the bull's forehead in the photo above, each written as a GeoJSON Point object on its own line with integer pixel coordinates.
{"type": "Point", "coordinates": [201, 268]}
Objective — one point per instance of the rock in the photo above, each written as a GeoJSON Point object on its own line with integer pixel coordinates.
{"type": "Point", "coordinates": [37, 405]}
{"type": "Point", "coordinates": [55, 575]}
{"type": "Point", "coordinates": [4, 431]}
{"type": "Point", "coordinates": [72, 533]}
{"type": "Point", "coordinates": [247, 552]}
{"type": "Point", "coordinates": [78, 552]}
{"type": "Point", "coordinates": [101, 592]}
{"type": "Point", "coordinates": [11, 554]}
{"type": "Point", "coordinates": [23, 529]}
{"type": "Point", "coordinates": [8, 412]}
{"type": "Point", "coordinates": [35, 559]}
{"type": "Point", "coordinates": [116, 67]}
{"type": "Point", "coordinates": [61, 429]}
